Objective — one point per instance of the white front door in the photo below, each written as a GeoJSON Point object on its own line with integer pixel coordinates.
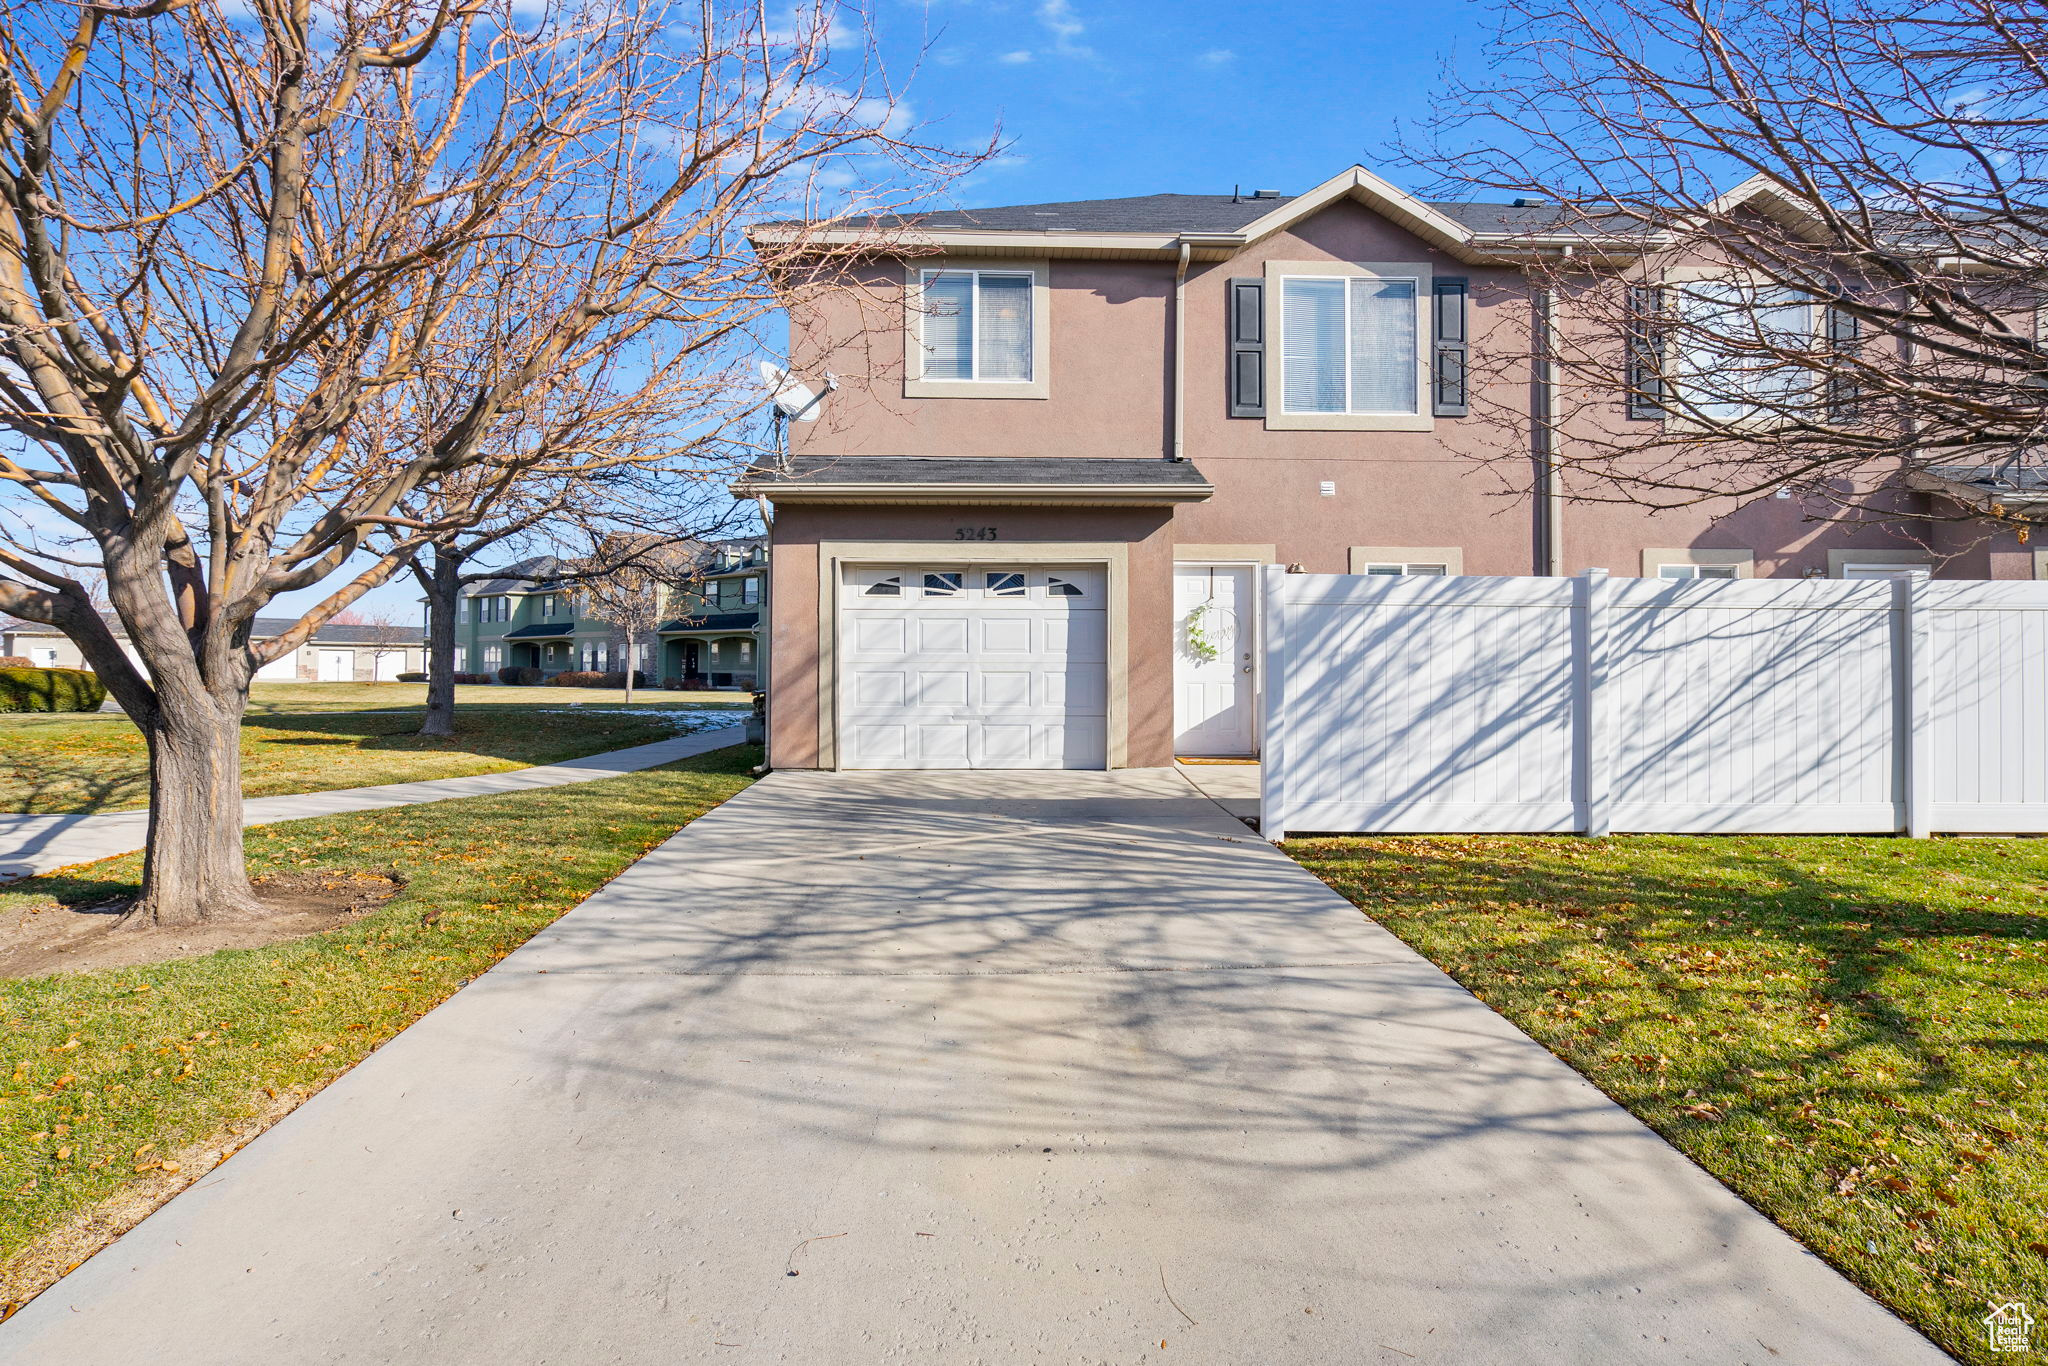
{"type": "Point", "coordinates": [973, 666]}
{"type": "Point", "coordinates": [1214, 642]}
{"type": "Point", "coordinates": [337, 666]}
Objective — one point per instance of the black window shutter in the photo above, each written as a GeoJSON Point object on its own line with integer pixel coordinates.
{"type": "Point", "coordinates": [1452, 346]}
{"type": "Point", "coordinates": [1844, 328]}
{"type": "Point", "coordinates": [1247, 378]}
{"type": "Point", "coordinates": [1645, 380]}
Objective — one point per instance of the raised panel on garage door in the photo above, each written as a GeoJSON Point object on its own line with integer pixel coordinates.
{"type": "Point", "coordinates": [973, 666]}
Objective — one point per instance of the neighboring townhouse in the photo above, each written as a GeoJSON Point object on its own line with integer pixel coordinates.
{"type": "Point", "coordinates": [337, 653]}
{"type": "Point", "coordinates": [709, 636]}
{"type": "Point", "coordinates": [1028, 527]}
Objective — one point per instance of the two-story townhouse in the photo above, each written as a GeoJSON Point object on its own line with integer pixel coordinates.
{"type": "Point", "coordinates": [709, 637]}
{"type": "Point", "coordinates": [1028, 529]}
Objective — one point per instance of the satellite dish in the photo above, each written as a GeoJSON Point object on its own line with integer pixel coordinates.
{"type": "Point", "coordinates": [793, 398]}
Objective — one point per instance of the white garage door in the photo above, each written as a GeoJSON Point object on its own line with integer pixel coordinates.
{"type": "Point", "coordinates": [973, 666]}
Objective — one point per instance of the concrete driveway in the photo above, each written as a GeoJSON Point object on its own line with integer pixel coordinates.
{"type": "Point", "coordinates": [975, 1068]}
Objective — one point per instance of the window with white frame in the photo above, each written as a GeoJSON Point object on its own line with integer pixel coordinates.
{"type": "Point", "coordinates": [1350, 345]}
{"type": "Point", "coordinates": [750, 592]}
{"type": "Point", "coordinates": [1698, 571]}
{"type": "Point", "coordinates": [461, 660]}
{"type": "Point", "coordinates": [746, 651]}
{"type": "Point", "coordinates": [1732, 338]}
{"type": "Point", "coordinates": [976, 325]}
{"type": "Point", "coordinates": [462, 609]}
{"type": "Point", "coordinates": [493, 656]}
{"type": "Point", "coordinates": [1419, 568]}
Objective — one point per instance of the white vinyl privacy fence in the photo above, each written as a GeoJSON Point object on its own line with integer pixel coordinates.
{"type": "Point", "coordinates": [1595, 704]}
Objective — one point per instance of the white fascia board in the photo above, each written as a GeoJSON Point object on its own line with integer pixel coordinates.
{"type": "Point", "coordinates": [1388, 200]}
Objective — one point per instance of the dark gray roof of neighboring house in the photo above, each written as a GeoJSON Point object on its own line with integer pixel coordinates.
{"type": "Point", "coordinates": [921, 469]}
{"type": "Point", "coordinates": [541, 630]}
{"type": "Point", "coordinates": [1174, 213]}
{"type": "Point", "coordinates": [713, 621]}
{"type": "Point", "coordinates": [2028, 479]}
{"type": "Point", "coordinates": [539, 567]}
{"type": "Point", "coordinates": [267, 628]}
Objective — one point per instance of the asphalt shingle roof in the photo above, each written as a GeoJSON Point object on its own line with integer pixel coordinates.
{"type": "Point", "coordinates": [920, 469]}
{"type": "Point", "coordinates": [713, 621]}
{"type": "Point", "coordinates": [1995, 478]}
{"type": "Point", "coordinates": [1175, 213]}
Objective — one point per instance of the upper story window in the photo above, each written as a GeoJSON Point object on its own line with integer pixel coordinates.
{"type": "Point", "coordinates": [1350, 346]}
{"type": "Point", "coordinates": [976, 329]}
{"type": "Point", "coordinates": [1735, 341]}
{"type": "Point", "coordinates": [750, 591]}
{"type": "Point", "coordinates": [1698, 571]}
{"type": "Point", "coordinates": [976, 325]}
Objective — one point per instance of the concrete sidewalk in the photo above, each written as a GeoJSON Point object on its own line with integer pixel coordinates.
{"type": "Point", "coordinates": [37, 844]}
{"type": "Point", "coordinates": [960, 1068]}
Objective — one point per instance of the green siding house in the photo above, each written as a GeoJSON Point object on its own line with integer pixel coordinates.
{"type": "Point", "coordinates": [709, 637]}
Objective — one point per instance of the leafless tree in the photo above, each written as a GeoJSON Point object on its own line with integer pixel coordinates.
{"type": "Point", "coordinates": [656, 489]}
{"type": "Point", "coordinates": [385, 634]}
{"type": "Point", "coordinates": [1788, 244]}
{"type": "Point", "coordinates": [628, 586]}
{"type": "Point", "coordinates": [234, 237]}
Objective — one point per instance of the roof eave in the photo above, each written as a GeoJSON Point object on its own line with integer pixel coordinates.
{"type": "Point", "coordinates": [976, 495]}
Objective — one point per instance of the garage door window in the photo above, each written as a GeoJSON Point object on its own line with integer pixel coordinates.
{"type": "Point", "coordinates": [1005, 585]}
{"type": "Point", "coordinates": [891, 587]}
{"type": "Point", "coordinates": [941, 585]}
{"type": "Point", "coordinates": [1057, 587]}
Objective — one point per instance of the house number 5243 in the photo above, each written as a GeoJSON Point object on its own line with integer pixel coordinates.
{"type": "Point", "coordinates": [974, 533]}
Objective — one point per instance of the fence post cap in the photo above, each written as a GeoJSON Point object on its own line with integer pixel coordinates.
{"type": "Point", "coordinates": [1592, 573]}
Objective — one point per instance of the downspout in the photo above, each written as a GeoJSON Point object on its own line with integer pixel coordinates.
{"type": "Point", "coordinates": [1542, 412]}
{"type": "Point", "coordinates": [1180, 332]}
{"type": "Point", "coordinates": [764, 678]}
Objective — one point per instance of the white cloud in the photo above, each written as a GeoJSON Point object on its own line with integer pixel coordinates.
{"type": "Point", "coordinates": [1066, 28]}
{"type": "Point", "coordinates": [1016, 58]}
{"type": "Point", "coordinates": [1217, 56]}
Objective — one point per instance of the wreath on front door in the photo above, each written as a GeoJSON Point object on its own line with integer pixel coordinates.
{"type": "Point", "coordinates": [1199, 642]}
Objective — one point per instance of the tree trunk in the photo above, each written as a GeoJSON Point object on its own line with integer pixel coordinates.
{"type": "Point", "coordinates": [443, 583]}
{"type": "Point", "coordinates": [193, 871]}
{"type": "Point", "coordinates": [629, 634]}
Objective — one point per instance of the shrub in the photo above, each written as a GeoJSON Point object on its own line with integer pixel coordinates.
{"type": "Point", "coordinates": [471, 678]}
{"type": "Point", "coordinates": [618, 680]}
{"type": "Point", "coordinates": [520, 675]}
{"type": "Point", "coordinates": [50, 690]}
{"type": "Point", "coordinates": [576, 678]}
{"type": "Point", "coordinates": [16, 662]}
{"type": "Point", "coordinates": [412, 676]}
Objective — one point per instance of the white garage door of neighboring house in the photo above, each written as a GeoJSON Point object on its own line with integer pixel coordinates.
{"type": "Point", "coordinates": [337, 666]}
{"type": "Point", "coordinates": [284, 669]}
{"type": "Point", "coordinates": [973, 666]}
{"type": "Point", "coordinates": [390, 664]}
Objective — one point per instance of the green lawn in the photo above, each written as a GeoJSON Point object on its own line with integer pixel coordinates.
{"type": "Point", "coordinates": [1849, 1032]}
{"type": "Point", "coordinates": [319, 737]}
{"type": "Point", "coordinates": [111, 1072]}
{"type": "Point", "coordinates": [298, 697]}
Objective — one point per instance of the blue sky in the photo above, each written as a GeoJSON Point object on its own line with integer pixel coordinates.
{"type": "Point", "coordinates": [1100, 98]}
